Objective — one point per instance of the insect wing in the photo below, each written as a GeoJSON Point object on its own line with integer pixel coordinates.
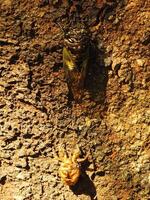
{"type": "Point", "coordinates": [75, 77]}
{"type": "Point", "coordinates": [68, 62]}
{"type": "Point", "coordinates": [71, 73]}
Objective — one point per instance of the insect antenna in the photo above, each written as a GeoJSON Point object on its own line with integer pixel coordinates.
{"type": "Point", "coordinates": [62, 29]}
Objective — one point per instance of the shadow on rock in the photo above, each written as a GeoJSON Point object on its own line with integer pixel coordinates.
{"type": "Point", "coordinates": [97, 75]}
{"type": "Point", "coordinates": [85, 186]}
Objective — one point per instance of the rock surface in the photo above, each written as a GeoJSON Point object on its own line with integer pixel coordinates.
{"type": "Point", "coordinates": [36, 117]}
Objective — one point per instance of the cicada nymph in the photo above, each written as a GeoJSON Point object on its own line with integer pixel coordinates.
{"type": "Point", "coordinates": [70, 167]}
{"type": "Point", "coordinates": [75, 59]}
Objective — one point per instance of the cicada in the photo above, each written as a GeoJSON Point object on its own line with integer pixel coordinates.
{"type": "Point", "coordinates": [75, 59]}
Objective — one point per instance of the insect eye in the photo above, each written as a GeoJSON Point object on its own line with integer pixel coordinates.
{"type": "Point", "coordinates": [71, 40]}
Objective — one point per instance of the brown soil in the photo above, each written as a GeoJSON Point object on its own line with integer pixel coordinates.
{"type": "Point", "coordinates": [37, 115]}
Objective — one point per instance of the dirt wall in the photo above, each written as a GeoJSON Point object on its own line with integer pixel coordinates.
{"type": "Point", "coordinates": [37, 116]}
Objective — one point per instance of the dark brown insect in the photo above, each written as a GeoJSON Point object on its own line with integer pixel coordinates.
{"type": "Point", "coordinates": [75, 58]}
